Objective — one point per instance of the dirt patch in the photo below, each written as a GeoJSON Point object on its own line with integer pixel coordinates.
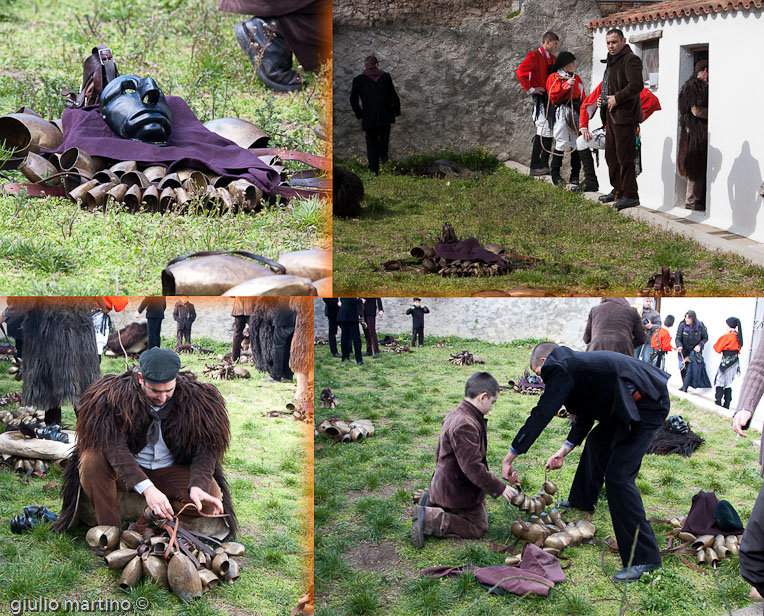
{"type": "Point", "coordinates": [379, 558]}
{"type": "Point", "coordinates": [380, 492]}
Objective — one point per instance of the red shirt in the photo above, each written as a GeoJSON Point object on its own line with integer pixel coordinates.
{"type": "Point", "coordinates": [727, 342]}
{"type": "Point", "coordinates": [661, 340]}
{"type": "Point", "coordinates": [559, 89]}
{"type": "Point", "coordinates": [534, 70]}
{"type": "Point", "coordinates": [650, 104]}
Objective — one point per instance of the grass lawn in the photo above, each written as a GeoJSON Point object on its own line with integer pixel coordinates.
{"type": "Point", "coordinates": [365, 563]}
{"type": "Point", "coordinates": [51, 246]}
{"type": "Point", "coordinates": [265, 469]}
{"type": "Point", "coordinates": [587, 248]}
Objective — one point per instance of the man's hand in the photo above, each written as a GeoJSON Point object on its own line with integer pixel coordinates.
{"type": "Point", "coordinates": [199, 497]}
{"type": "Point", "coordinates": [698, 347]}
{"type": "Point", "coordinates": [381, 314]}
{"type": "Point", "coordinates": [508, 493]}
{"type": "Point", "coordinates": [158, 502]}
{"type": "Point", "coordinates": [649, 325]}
{"type": "Point", "coordinates": [740, 419]}
{"type": "Point", "coordinates": [586, 134]}
{"type": "Point", "coordinates": [557, 459]}
{"type": "Point", "coordinates": [610, 102]}
{"type": "Point", "coordinates": [508, 472]}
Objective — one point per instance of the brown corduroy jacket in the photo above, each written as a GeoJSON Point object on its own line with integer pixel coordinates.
{"type": "Point", "coordinates": [625, 83]}
{"type": "Point", "coordinates": [753, 389]}
{"type": "Point", "coordinates": [462, 479]}
{"type": "Point", "coordinates": [614, 325]}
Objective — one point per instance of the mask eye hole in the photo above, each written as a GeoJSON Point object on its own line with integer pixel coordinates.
{"type": "Point", "coordinates": [128, 91]}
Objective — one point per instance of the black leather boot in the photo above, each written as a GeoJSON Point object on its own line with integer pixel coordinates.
{"type": "Point", "coordinates": [269, 54]}
{"type": "Point", "coordinates": [53, 416]}
{"type": "Point", "coordinates": [718, 396]}
{"type": "Point", "coordinates": [556, 166]}
{"type": "Point", "coordinates": [575, 167]}
{"type": "Point", "coordinates": [727, 397]}
{"type": "Point", "coordinates": [537, 167]}
{"type": "Point", "coordinates": [548, 144]}
{"type": "Point", "coordinates": [590, 183]}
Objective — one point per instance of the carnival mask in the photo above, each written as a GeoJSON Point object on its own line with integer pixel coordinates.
{"type": "Point", "coordinates": [135, 108]}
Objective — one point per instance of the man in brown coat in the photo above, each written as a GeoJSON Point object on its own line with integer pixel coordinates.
{"type": "Point", "coordinates": [621, 88]}
{"type": "Point", "coordinates": [454, 506]}
{"type": "Point", "coordinates": [614, 325]}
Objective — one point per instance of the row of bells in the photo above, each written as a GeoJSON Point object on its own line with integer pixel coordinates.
{"type": "Point", "coordinates": [346, 432]}
{"type": "Point", "coordinates": [465, 358]}
{"type": "Point", "coordinates": [225, 371]}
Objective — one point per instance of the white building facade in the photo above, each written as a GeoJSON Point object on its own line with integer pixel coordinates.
{"type": "Point", "coordinates": [670, 37]}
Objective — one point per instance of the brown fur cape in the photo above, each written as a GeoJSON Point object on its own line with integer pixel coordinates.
{"type": "Point", "coordinates": [115, 407]}
{"type": "Point", "coordinates": [693, 131]}
{"type": "Point", "coordinates": [261, 332]}
{"type": "Point", "coordinates": [60, 357]}
{"type": "Point", "coordinates": [301, 352]}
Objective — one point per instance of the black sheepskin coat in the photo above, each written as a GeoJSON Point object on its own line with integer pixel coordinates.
{"type": "Point", "coordinates": [693, 131]}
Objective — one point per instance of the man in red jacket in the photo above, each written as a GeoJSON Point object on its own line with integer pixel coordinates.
{"type": "Point", "coordinates": [532, 75]}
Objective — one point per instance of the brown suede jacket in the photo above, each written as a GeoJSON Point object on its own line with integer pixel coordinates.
{"type": "Point", "coordinates": [462, 479]}
{"type": "Point", "coordinates": [625, 83]}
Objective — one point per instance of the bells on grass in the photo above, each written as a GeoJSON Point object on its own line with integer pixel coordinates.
{"type": "Point", "coordinates": [551, 532]}
{"type": "Point", "coordinates": [538, 503]}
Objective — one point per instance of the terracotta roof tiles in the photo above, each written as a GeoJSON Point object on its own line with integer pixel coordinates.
{"type": "Point", "coordinates": [673, 9]}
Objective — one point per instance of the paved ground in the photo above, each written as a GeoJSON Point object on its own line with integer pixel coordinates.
{"type": "Point", "coordinates": [705, 235]}
{"type": "Point", "coordinates": [751, 610]}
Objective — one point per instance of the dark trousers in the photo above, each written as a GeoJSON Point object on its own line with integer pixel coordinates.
{"type": "Point", "coordinates": [372, 342]}
{"type": "Point", "coordinates": [620, 153]}
{"type": "Point", "coordinates": [726, 393]}
{"type": "Point", "coordinates": [417, 331]}
{"type": "Point", "coordinates": [350, 338]}
{"type": "Point", "coordinates": [469, 523]}
{"type": "Point", "coordinates": [333, 335]}
{"type": "Point", "coordinates": [154, 327]}
{"type": "Point", "coordinates": [239, 323]}
{"type": "Point", "coordinates": [100, 483]}
{"type": "Point", "coordinates": [751, 555]}
{"type": "Point", "coordinates": [183, 334]}
{"type": "Point", "coordinates": [617, 466]}
{"type": "Point", "coordinates": [282, 341]}
{"type": "Point", "coordinates": [377, 142]}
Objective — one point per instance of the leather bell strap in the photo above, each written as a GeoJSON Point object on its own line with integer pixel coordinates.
{"type": "Point", "coordinates": [249, 255]}
{"type": "Point", "coordinates": [319, 162]}
{"type": "Point", "coordinates": [40, 189]}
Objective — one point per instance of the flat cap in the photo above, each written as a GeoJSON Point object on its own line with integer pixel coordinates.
{"type": "Point", "coordinates": [159, 365]}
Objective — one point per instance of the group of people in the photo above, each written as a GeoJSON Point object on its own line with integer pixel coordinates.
{"type": "Point", "coordinates": [351, 312]}
{"type": "Point", "coordinates": [562, 111]}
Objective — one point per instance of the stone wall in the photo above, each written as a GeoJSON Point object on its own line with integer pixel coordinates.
{"type": "Point", "coordinates": [562, 319]}
{"type": "Point", "coordinates": [454, 71]}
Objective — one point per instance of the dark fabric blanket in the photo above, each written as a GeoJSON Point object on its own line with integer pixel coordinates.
{"type": "Point", "coordinates": [468, 250]}
{"type": "Point", "coordinates": [537, 573]}
{"type": "Point", "coordinates": [666, 442]}
{"type": "Point", "coordinates": [701, 520]}
{"type": "Point", "coordinates": [190, 145]}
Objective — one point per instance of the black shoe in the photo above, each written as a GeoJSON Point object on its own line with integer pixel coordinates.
{"type": "Point", "coordinates": [540, 171]}
{"type": "Point", "coordinates": [608, 198]}
{"type": "Point", "coordinates": [270, 379]}
{"type": "Point", "coordinates": [32, 516]}
{"type": "Point", "coordinates": [565, 504]}
{"type": "Point", "coordinates": [52, 433]}
{"type": "Point", "coordinates": [367, 354]}
{"type": "Point", "coordinates": [417, 528]}
{"type": "Point", "coordinates": [336, 355]}
{"type": "Point", "coordinates": [360, 363]}
{"type": "Point", "coordinates": [269, 54]}
{"type": "Point", "coordinates": [376, 355]}
{"type": "Point", "coordinates": [624, 203]}
{"type": "Point", "coordinates": [633, 573]}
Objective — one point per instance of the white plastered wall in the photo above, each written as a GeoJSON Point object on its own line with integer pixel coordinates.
{"type": "Point", "coordinates": [736, 147]}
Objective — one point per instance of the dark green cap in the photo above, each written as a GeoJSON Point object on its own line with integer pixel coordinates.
{"type": "Point", "coordinates": [727, 519]}
{"type": "Point", "coordinates": [159, 365]}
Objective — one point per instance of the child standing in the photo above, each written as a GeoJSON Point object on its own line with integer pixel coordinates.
{"type": "Point", "coordinates": [729, 346]}
{"type": "Point", "coordinates": [661, 344]}
{"type": "Point", "coordinates": [417, 312]}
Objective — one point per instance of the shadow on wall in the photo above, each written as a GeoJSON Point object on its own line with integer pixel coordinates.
{"type": "Point", "coordinates": [668, 175]}
{"type": "Point", "coordinates": [743, 190]}
{"type": "Point", "coordinates": [713, 166]}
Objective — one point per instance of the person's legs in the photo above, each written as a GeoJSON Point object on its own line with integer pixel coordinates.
{"type": "Point", "coordinates": [178, 337]}
{"type": "Point", "coordinates": [626, 151]}
{"type": "Point", "coordinates": [611, 157]}
{"type": "Point", "coordinates": [372, 323]}
{"type": "Point", "coordinates": [282, 337]}
{"type": "Point", "coordinates": [751, 557]}
{"type": "Point", "coordinates": [154, 329]}
{"type": "Point", "coordinates": [384, 142]}
{"type": "Point", "coordinates": [575, 166]}
{"type": "Point", "coordinates": [345, 339]}
{"type": "Point", "coordinates": [239, 323]}
{"type": "Point", "coordinates": [372, 149]}
{"type": "Point", "coordinates": [590, 474]}
{"type": "Point", "coordinates": [727, 397]}
{"type": "Point", "coordinates": [367, 334]}
{"type": "Point", "coordinates": [99, 482]}
{"type": "Point", "coordinates": [696, 195]}
{"type": "Point", "coordinates": [333, 336]}
{"type": "Point", "coordinates": [718, 396]}
{"type": "Point", "coordinates": [356, 338]}
{"type": "Point", "coordinates": [469, 523]}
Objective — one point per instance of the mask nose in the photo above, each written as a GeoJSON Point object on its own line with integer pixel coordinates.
{"type": "Point", "coordinates": [149, 91]}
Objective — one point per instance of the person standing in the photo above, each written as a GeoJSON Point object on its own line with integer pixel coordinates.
{"type": "Point", "coordinates": [243, 307]}
{"type": "Point", "coordinates": [651, 320]}
{"type": "Point", "coordinates": [629, 401]}
{"type": "Point", "coordinates": [372, 308]}
{"type": "Point", "coordinates": [729, 346]}
{"type": "Point", "coordinates": [691, 337]}
{"type": "Point", "coordinates": [375, 102]}
{"type": "Point", "coordinates": [532, 75]}
{"type": "Point", "coordinates": [154, 307]}
{"type": "Point", "coordinates": [349, 317]}
{"type": "Point", "coordinates": [566, 91]}
{"type": "Point", "coordinates": [184, 315]}
{"type": "Point", "coordinates": [621, 89]}
{"type": "Point", "coordinates": [660, 344]}
{"type": "Point", "coordinates": [283, 330]}
{"type": "Point", "coordinates": [331, 308]}
{"type": "Point", "coordinates": [693, 136]}
{"type": "Point", "coordinates": [614, 325]}
{"type": "Point", "coordinates": [417, 312]}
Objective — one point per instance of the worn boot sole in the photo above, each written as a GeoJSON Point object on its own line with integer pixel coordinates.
{"type": "Point", "coordinates": [417, 528]}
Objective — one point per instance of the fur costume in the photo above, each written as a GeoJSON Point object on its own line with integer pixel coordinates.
{"type": "Point", "coordinates": [347, 193]}
{"type": "Point", "coordinates": [261, 333]}
{"type": "Point", "coordinates": [301, 353]}
{"type": "Point", "coordinates": [666, 441]}
{"type": "Point", "coordinates": [693, 133]}
{"type": "Point", "coordinates": [60, 358]}
{"type": "Point", "coordinates": [115, 407]}
{"type": "Point", "coordinates": [130, 336]}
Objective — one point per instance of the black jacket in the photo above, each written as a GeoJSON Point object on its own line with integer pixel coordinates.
{"type": "Point", "coordinates": [375, 103]}
{"type": "Point", "coordinates": [331, 307]}
{"type": "Point", "coordinates": [372, 306]}
{"type": "Point", "coordinates": [417, 313]}
{"type": "Point", "coordinates": [154, 307]}
{"type": "Point", "coordinates": [184, 314]}
{"type": "Point", "coordinates": [688, 339]}
{"type": "Point", "coordinates": [593, 386]}
{"type": "Point", "coordinates": [350, 310]}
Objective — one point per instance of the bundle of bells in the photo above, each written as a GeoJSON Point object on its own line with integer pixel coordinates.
{"type": "Point", "coordinates": [188, 566]}
{"type": "Point", "coordinates": [398, 348]}
{"type": "Point", "coordinates": [225, 371]}
{"type": "Point", "coordinates": [450, 267]}
{"type": "Point", "coordinates": [346, 432]}
{"type": "Point", "coordinates": [15, 370]}
{"type": "Point", "coordinates": [516, 387]}
{"type": "Point", "coordinates": [28, 466]}
{"type": "Point", "coordinates": [440, 344]}
{"type": "Point", "coordinates": [709, 549]}
{"type": "Point", "coordinates": [327, 399]}
{"type": "Point", "coordinates": [33, 418]}
{"type": "Point", "coordinates": [292, 410]}
{"type": "Point", "coordinates": [23, 414]}
{"type": "Point", "coordinates": [465, 358]}
{"type": "Point", "coordinates": [552, 533]}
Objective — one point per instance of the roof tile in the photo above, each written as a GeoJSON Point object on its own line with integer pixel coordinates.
{"type": "Point", "coordinates": [672, 9]}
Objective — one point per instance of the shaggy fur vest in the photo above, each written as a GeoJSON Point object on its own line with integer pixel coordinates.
{"type": "Point", "coordinates": [301, 351]}
{"type": "Point", "coordinates": [60, 356]}
{"type": "Point", "coordinates": [115, 407]}
{"type": "Point", "coordinates": [693, 133]}
{"type": "Point", "coordinates": [261, 332]}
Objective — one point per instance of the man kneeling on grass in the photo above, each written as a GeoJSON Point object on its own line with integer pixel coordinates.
{"type": "Point", "coordinates": [454, 506]}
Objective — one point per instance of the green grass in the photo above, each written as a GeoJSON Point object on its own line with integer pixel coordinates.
{"type": "Point", "coordinates": [52, 246]}
{"type": "Point", "coordinates": [587, 248]}
{"type": "Point", "coordinates": [273, 521]}
{"type": "Point", "coordinates": [362, 528]}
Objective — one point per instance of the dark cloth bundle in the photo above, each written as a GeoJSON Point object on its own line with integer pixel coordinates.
{"type": "Point", "coordinates": [696, 375]}
{"type": "Point", "coordinates": [666, 441]}
{"type": "Point", "coordinates": [537, 573]}
{"type": "Point", "coordinates": [468, 250]}
{"type": "Point", "coordinates": [348, 192]}
{"type": "Point", "coordinates": [190, 145]}
{"type": "Point", "coordinates": [710, 516]}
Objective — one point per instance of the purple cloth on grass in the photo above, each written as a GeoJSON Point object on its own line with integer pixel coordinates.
{"type": "Point", "coordinates": [190, 145]}
{"type": "Point", "coordinates": [537, 573]}
{"type": "Point", "coordinates": [468, 250]}
{"type": "Point", "coordinates": [701, 520]}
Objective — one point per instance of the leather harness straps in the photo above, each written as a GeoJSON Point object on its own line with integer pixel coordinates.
{"type": "Point", "coordinates": [97, 70]}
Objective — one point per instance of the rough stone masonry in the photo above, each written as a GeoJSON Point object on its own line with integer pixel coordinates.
{"type": "Point", "coordinates": [453, 65]}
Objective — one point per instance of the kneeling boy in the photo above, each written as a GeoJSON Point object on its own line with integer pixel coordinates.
{"type": "Point", "coordinates": [455, 503]}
